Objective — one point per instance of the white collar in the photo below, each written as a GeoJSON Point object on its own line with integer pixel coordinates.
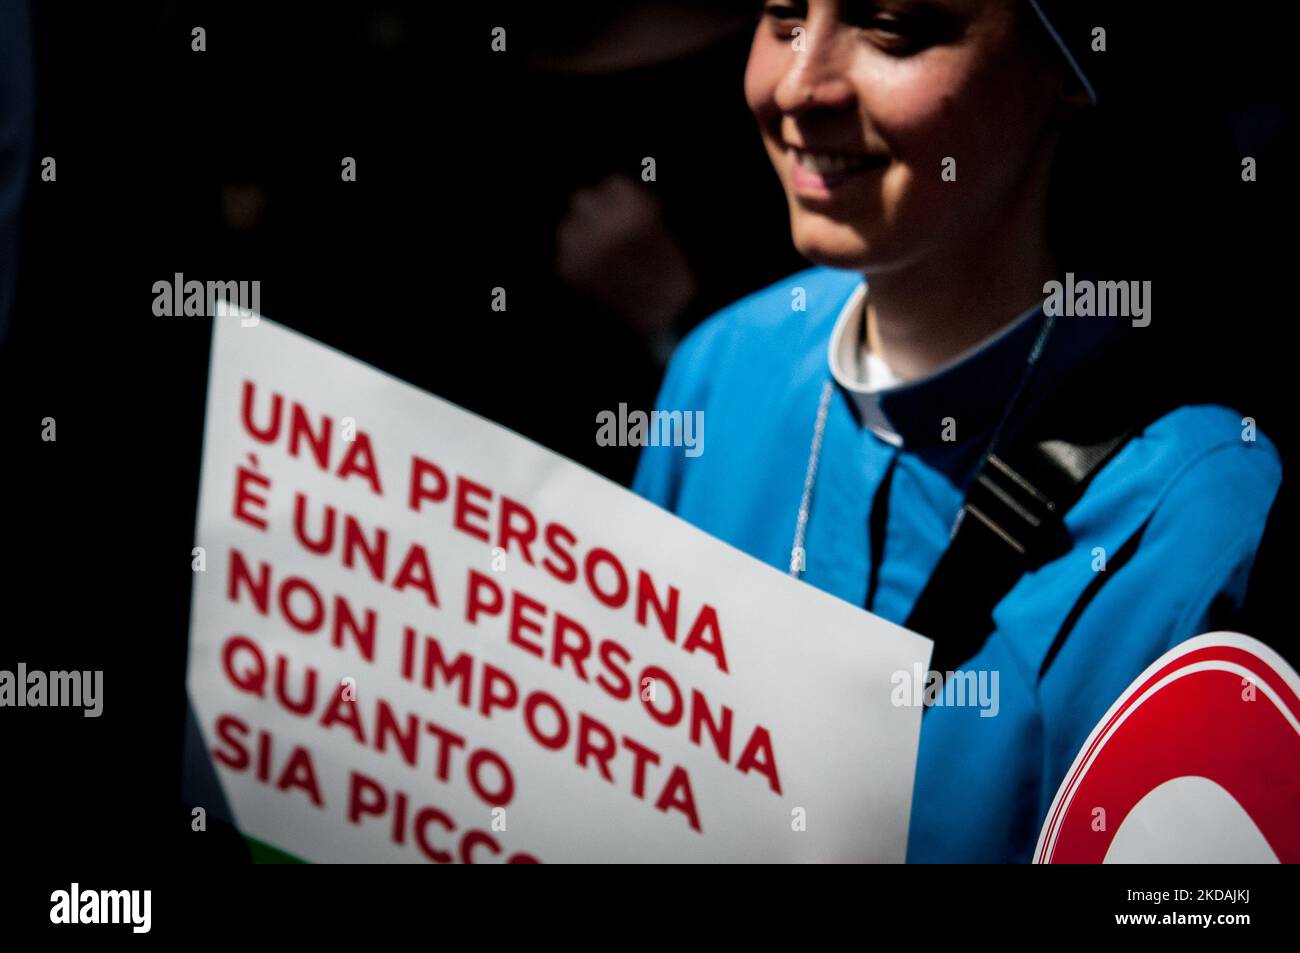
{"type": "Point", "coordinates": [867, 386]}
{"type": "Point", "coordinates": [846, 366]}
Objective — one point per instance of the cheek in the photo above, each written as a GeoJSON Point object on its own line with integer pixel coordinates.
{"type": "Point", "coordinates": [924, 117]}
{"type": "Point", "coordinates": [917, 111]}
{"type": "Point", "coordinates": [984, 118]}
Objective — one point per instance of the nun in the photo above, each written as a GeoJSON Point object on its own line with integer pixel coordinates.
{"type": "Point", "coordinates": [906, 426]}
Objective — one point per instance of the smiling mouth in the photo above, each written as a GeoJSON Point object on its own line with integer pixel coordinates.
{"type": "Point", "coordinates": [817, 174]}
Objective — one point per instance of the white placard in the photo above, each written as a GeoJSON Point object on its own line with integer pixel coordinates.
{"type": "Point", "coordinates": [419, 636]}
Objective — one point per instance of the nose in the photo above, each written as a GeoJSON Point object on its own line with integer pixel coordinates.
{"type": "Point", "coordinates": [817, 76]}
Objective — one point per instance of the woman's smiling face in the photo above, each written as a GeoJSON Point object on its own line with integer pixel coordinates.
{"type": "Point", "coordinates": [860, 102]}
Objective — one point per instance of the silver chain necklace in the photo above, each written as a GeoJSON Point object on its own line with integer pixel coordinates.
{"type": "Point", "coordinates": [798, 556]}
{"type": "Point", "coordinates": [797, 560]}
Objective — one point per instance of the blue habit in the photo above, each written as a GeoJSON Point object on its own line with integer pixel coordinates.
{"type": "Point", "coordinates": [883, 506]}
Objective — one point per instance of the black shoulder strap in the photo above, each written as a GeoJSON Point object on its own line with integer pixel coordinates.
{"type": "Point", "coordinates": [1013, 515]}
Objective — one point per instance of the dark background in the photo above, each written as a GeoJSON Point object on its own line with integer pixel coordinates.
{"type": "Point", "coordinates": [225, 165]}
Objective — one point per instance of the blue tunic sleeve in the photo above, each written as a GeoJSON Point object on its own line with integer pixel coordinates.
{"type": "Point", "coordinates": [685, 387]}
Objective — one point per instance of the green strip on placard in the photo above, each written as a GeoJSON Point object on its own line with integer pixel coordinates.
{"type": "Point", "coordinates": [266, 854]}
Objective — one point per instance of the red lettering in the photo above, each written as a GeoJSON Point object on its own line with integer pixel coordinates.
{"type": "Point", "coordinates": [419, 492]}
{"type": "Point", "coordinates": [465, 508]}
{"type": "Point", "coordinates": [300, 430]}
{"type": "Point", "coordinates": [360, 459]}
{"type": "Point", "coordinates": [506, 531]}
{"type": "Point", "coordinates": [268, 433]}
{"type": "Point", "coordinates": [604, 753]}
{"type": "Point", "coordinates": [706, 622]}
{"type": "Point", "coordinates": [758, 756]}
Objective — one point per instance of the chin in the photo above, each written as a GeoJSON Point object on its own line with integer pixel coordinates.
{"type": "Point", "coordinates": [837, 247]}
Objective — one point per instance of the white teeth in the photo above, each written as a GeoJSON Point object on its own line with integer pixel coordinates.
{"type": "Point", "coordinates": [826, 164]}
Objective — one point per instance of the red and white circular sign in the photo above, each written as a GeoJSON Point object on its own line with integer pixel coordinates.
{"type": "Point", "coordinates": [1197, 762]}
